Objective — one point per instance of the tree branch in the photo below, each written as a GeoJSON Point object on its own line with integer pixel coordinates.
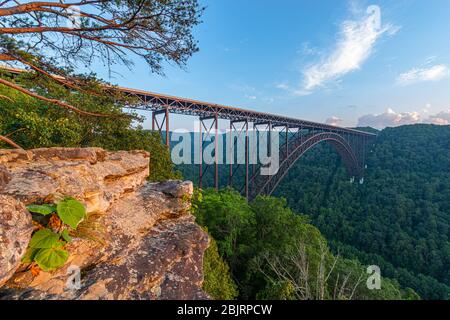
{"type": "Point", "coordinates": [32, 6]}
{"type": "Point", "coordinates": [57, 78]}
{"type": "Point", "coordinates": [10, 142]}
{"type": "Point", "coordinates": [14, 132]}
{"type": "Point", "coordinates": [6, 57]}
{"type": "Point", "coordinates": [6, 98]}
{"type": "Point", "coordinates": [53, 101]}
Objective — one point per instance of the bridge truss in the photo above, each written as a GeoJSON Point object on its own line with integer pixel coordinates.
{"type": "Point", "coordinates": [299, 136]}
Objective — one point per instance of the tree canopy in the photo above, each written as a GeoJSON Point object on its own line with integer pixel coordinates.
{"type": "Point", "coordinates": [52, 40]}
{"type": "Point", "coordinates": [274, 253]}
{"type": "Point", "coordinates": [398, 219]}
{"type": "Point", "coordinates": [34, 123]}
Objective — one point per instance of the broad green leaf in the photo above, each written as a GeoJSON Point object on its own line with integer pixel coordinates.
{"type": "Point", "coordinates": [51, 258]}
{"type": "Point", "coordinates": [71, 212]}
{"type": "Point", "coordinates": [66, 236]}
{"type": "Point", "coordinates": [29, 255]}
{"type": "Point", "coordinates": [44, 209]}
{"type": "Point", "coordinates": [43, 239]}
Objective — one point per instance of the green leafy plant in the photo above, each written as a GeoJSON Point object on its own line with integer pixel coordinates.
{"type": "Point", "coordinates": [71, 212]}
{"type": "Point", "coordinates": [46, 246]}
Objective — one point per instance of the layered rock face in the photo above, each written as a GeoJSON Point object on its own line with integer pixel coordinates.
{"type": "Point", "coordinates": [138, 242]}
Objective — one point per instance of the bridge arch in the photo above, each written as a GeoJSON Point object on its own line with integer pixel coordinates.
{"type": "Point", "coordinates": [299, 146]}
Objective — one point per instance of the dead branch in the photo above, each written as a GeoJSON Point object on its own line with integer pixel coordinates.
{"type": "Point", "coordinates": [6, 98]}
{"type": "Point", "coordinates": [14, 132]}
{"type": "Point", "coordinates": [10, 142]}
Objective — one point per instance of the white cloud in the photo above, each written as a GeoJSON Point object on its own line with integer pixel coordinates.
{"type": "Point", "coordinates": [390, 118]}
{"type": "Point", "coordinates": [283, 86]}
{"type": "Point", "coordinates": [432, 73]}
{"type": "Point", "coordinates": [334, 121]}
{"type": "Point", "coordinates": [293, 91]}
{"type": "Point", "coordinates": [442, 118]}
{"type": "Point", "coordinates": [355, 44]}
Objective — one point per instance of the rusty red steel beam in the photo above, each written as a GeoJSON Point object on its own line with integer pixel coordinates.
{"type": "Point", "coordinates": [155, 101]}
{"type": "Point", "coordinates": [267, 184]}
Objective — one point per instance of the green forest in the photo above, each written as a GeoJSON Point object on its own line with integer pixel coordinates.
{"type": "Point", "coordinates": [397, 219]}
{"type": "Point", "coordinates": [263, 250]}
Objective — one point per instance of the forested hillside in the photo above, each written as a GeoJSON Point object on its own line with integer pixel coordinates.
{"type": "Point", "coordinates": [398, 219]}
{"type": "Point", "coordinates": [266, 251]}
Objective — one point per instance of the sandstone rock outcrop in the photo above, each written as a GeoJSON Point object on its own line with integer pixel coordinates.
{"type": "Point", "coordinates": [91, 175]}
{"type": "Point", "coordinates": [15, 233]}
{"type": "Point", "coordinates": [149, 248]}
{"type": "Point", "coordinates": [4, 177]}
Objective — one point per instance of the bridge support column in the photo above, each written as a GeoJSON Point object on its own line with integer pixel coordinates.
{"type": "Point", "coordinates": [246, 159]}
{"type": "Point", "coordinates": [285, 129]}
{"type": "Point", "coordinates": [256, 146]}
{"type": "Point", "coordinates": [210, 130]}
{"type": "Point", "coordinates": [200, 151]}
{"type": "Point", "coordinates": [287, 141]}
{"type": "Point", "coordinates": [231, 155]}
{"type": "Point", "coordinates": [216, 152]}
{"type": "Point", "coordinates": [243, 130]}
{"type": "Point", "coordinates": [161, 124]}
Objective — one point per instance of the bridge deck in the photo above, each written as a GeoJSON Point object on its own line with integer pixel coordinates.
{"type": "Point", "coordinates": [155, 102]}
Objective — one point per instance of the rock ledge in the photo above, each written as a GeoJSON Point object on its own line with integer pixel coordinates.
{"type": "Point", "coordinates": [152, 247]}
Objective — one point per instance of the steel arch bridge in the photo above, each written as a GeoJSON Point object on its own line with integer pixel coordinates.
{"type": "Point", "coordinates": [299, 136]}
{"type": "Point", "coordinates": [266, 184]}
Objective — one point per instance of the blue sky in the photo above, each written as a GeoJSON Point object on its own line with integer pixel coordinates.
{"type": "Point", "coordinates": [323, 60]}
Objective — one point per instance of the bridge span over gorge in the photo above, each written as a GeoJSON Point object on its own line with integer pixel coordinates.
{"type": "Point", "coordinates": [299, 136]}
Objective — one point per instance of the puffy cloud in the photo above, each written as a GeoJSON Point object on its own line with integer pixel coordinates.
{"type": "Point", "coordinates": [442, 118]}
{"type": "Point", "coordinates": [389, 118]}
{"type": "Point", "coordinates": [334, 121]}
{"type": "Point", "coordinates": [432, 73]}
{"type": "Point", "coordinates": [355, 44]}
